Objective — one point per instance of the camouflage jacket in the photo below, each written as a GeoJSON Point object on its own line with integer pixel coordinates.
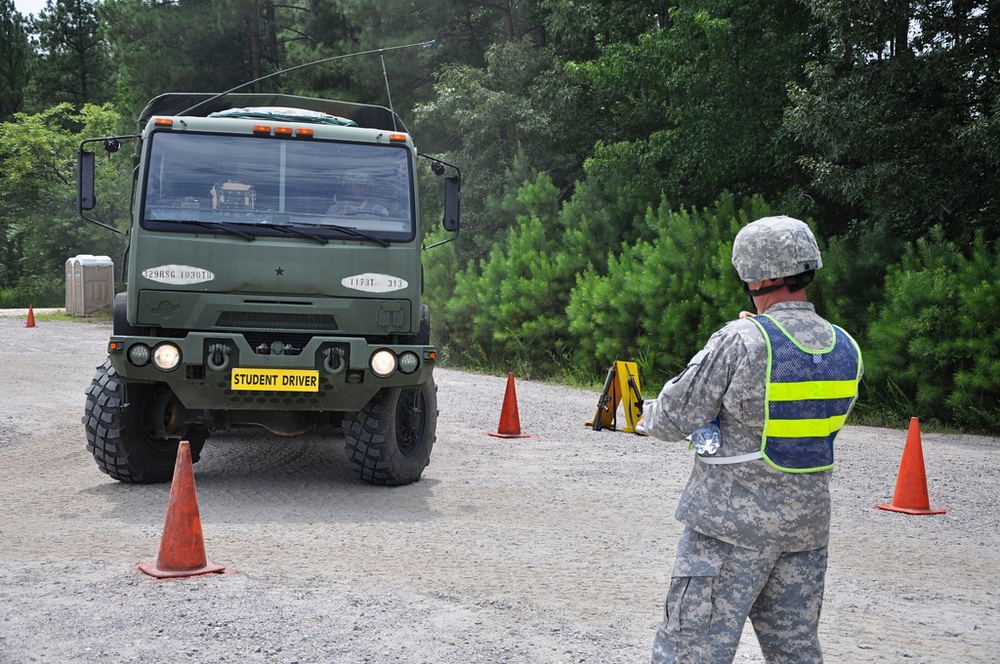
{"type": "Point", "coordinates": [749, 504]}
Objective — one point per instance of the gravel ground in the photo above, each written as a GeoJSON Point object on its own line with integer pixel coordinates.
{"type": "Point", "coordinates": [555, 548]}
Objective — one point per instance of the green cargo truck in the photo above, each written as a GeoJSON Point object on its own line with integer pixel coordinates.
{"type": "Point", "coordinates": [273, 279]}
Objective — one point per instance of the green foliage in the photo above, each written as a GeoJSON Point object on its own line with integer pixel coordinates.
{"type": "Point", "coordinates": [509, 117]}
{"type": "Point", "coordinates": [935, 348]}
{"type": "Point", "coordinates": [193, 45]}
{"type": "Point", "coordinates": [701, 98]}
{"type": "Point", "coordinates": [608, 207]}
{"type": "Point", "coordinates": [440, 269]}
{"type": "Point", "coordinates": [509, 307]}
{"type": "Point", "coordinates": [15, 58]}
{"type": "Point", "coordinates": [38, 219]}
{"type": "Point", "coordinates": [38, 291]}
{"type": "Point", "coordinates": [896, 122]}
{"type": "Point", "coordinates": [662, 299]}
{"type": "Point", "coordinates": [581, 28]}
{"type": "Point", "coordinates": [849, 290]}
{"type": "Point", "coordinates": [75, 63]}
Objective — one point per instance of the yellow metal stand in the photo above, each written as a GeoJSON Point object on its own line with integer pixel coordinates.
{"type": "Point", "coordinates": [620, 386]}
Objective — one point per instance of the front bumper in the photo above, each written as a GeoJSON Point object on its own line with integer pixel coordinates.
{"type": "Point", "coordinates": [322, 374]}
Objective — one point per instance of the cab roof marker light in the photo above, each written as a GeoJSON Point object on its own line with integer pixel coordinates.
{"type": "Point", "coordinates": [283, 131]}
{"type": "Point", "coordinates": [397, 137]}
{"type": "Point", "coordinates": [163, 122]}
{"type": "Point", "coordinates": [303, 132]}
{"type": "Point", "coordinates": [262, 130]}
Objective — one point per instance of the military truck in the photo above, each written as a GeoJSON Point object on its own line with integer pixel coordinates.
{"type": "Point", "coordinates": [273, 279]}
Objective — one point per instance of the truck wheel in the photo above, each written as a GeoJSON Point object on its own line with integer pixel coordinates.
{"type": "Point", "coordinates": [118, 434]}
{"type": "Point", "coordinates": [389, 441]}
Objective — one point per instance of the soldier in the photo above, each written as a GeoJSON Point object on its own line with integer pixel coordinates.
{"type": "Point", "coordinates": [774, 389]}
{"type": "Point", "coordinates": [355, 201]}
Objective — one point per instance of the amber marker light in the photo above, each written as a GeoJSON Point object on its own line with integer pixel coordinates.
{"type": "Point", "coordinates": [283, 131]}
{"type": "Point", "coordinates": [304, 133]}
{"type": "Point", "coordinates": [262, 130]}
{"type": "Point", "coordinates": [397, 137]}
{"type": "Point", "coordinates": [163, 122]}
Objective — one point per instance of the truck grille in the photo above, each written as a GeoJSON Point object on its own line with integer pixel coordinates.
{"type": "Point", "coordinates": [249, 320]}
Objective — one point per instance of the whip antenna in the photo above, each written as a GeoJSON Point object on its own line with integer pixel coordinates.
{"type": "Point", "coordinates": [388, 94]}
{"type": "Point", "coordinates": [425, 44]}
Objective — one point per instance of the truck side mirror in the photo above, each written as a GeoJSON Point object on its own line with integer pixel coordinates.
{"type": "Point", "coordinates": [452, 203]}
{"type": "Point", "coordinates": [85, 198]}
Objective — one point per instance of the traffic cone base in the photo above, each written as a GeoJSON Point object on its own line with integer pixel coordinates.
{"type": "Point", "coordinates": [497, 434]}
{"type": "Point", "coordinates": [911, 485]}
{"type": "Point", "coordinates": [909, 510]}
{"type": "Point", "coordinates": [510, 423]}
{"type": "Point", "coordinates": [182, 548]}
{"type": "Point", "coordinates": [152, 570]}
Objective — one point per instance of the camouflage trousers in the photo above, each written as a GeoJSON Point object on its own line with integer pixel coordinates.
{"type": "Point", "coordinates": [715, 586]}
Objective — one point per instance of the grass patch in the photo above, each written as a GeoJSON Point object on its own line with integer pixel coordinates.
{"type": "Point", "coordinates": [62, 315]}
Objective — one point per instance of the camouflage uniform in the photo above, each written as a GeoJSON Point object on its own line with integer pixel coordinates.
{"type": "Point", "coordinates": [755, 538]}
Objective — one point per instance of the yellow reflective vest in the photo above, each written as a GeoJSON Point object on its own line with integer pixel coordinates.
{"type": "Point", "coordinates": [807, 397]}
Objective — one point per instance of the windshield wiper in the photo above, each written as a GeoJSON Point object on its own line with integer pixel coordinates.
{"type": "Point", "coordinates": [347, 230]}
{"type": "Point", "coordinates": [284, 228]}
{"type": "Point", "coordinates": [296, 230]}
{"type": "Point", "coordinates": [213, 226]}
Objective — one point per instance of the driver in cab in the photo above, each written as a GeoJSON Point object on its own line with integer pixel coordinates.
{"type": "Point", "coordinates": [355, 201]}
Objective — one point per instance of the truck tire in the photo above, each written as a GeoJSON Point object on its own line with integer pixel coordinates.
{"type": "Point", "coordinates": [118, 436]}
{"type": "Point", "coordinates": [389, 441]}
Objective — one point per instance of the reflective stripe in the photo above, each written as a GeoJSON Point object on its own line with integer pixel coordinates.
{"type": "Point", "coordinates": [805, 428]}
{"type": "Point", "coordinates": [721, 461]}
{"type": "Point", "coordinates": [814, 389]}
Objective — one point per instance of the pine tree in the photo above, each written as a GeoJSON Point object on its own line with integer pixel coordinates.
{"type": "Point", "coordinates": [75, 64]}
{"type": "Point", "coordinates": [15, 56]}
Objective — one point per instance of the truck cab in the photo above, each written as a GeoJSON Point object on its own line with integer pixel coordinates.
{"type": "Point", "coordinates": [273, 279]}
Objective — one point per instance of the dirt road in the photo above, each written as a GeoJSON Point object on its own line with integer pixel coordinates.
{"type": "Point", "coordinates": [555, 548]}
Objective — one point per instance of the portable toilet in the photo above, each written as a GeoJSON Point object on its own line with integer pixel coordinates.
{"type": "Point", "coordinates": [71, 286]}
{"type": "Point", "coordinates": [90, 284]}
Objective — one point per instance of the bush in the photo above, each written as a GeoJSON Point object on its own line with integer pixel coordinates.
{"type": "Point", "coordinates": [508, 309]}
{"type": "Point", "coordinates": [661, 300]}
{"type": "Point", "coordinates": [850, 289]}
{"type": "Point", "coordinates": [934, 351]}
{"type": "Point", "coordinates": [35, 291]}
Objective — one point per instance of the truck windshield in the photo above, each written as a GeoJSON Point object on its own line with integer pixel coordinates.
{"type": "Point", "coordinates": [196, 180]}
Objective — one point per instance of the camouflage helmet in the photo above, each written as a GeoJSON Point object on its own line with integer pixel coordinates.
{"type": "Point", "coordinates": [775, 247]}
{"type": "Point", "coordinates": [358, 178]}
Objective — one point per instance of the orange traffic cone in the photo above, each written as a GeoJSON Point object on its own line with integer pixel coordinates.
{"type": "Point", "coordinates": [182, 549]}
{"type": "Point", "coordinates": [510, 423]}
{"type": "Point", "coordinates": [31, 317]}
{"type": "Point", "coordinates": [911, 485]}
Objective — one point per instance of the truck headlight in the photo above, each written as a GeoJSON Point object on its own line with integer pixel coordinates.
{"type": "Point", "coordinates": [166, 357]}
{"type": "Point", "coordinates": [139, 355]}
{"type": "Point", "coordinates": [383, 363]}
{"type": "Point", "coordinates": [408, 362]}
